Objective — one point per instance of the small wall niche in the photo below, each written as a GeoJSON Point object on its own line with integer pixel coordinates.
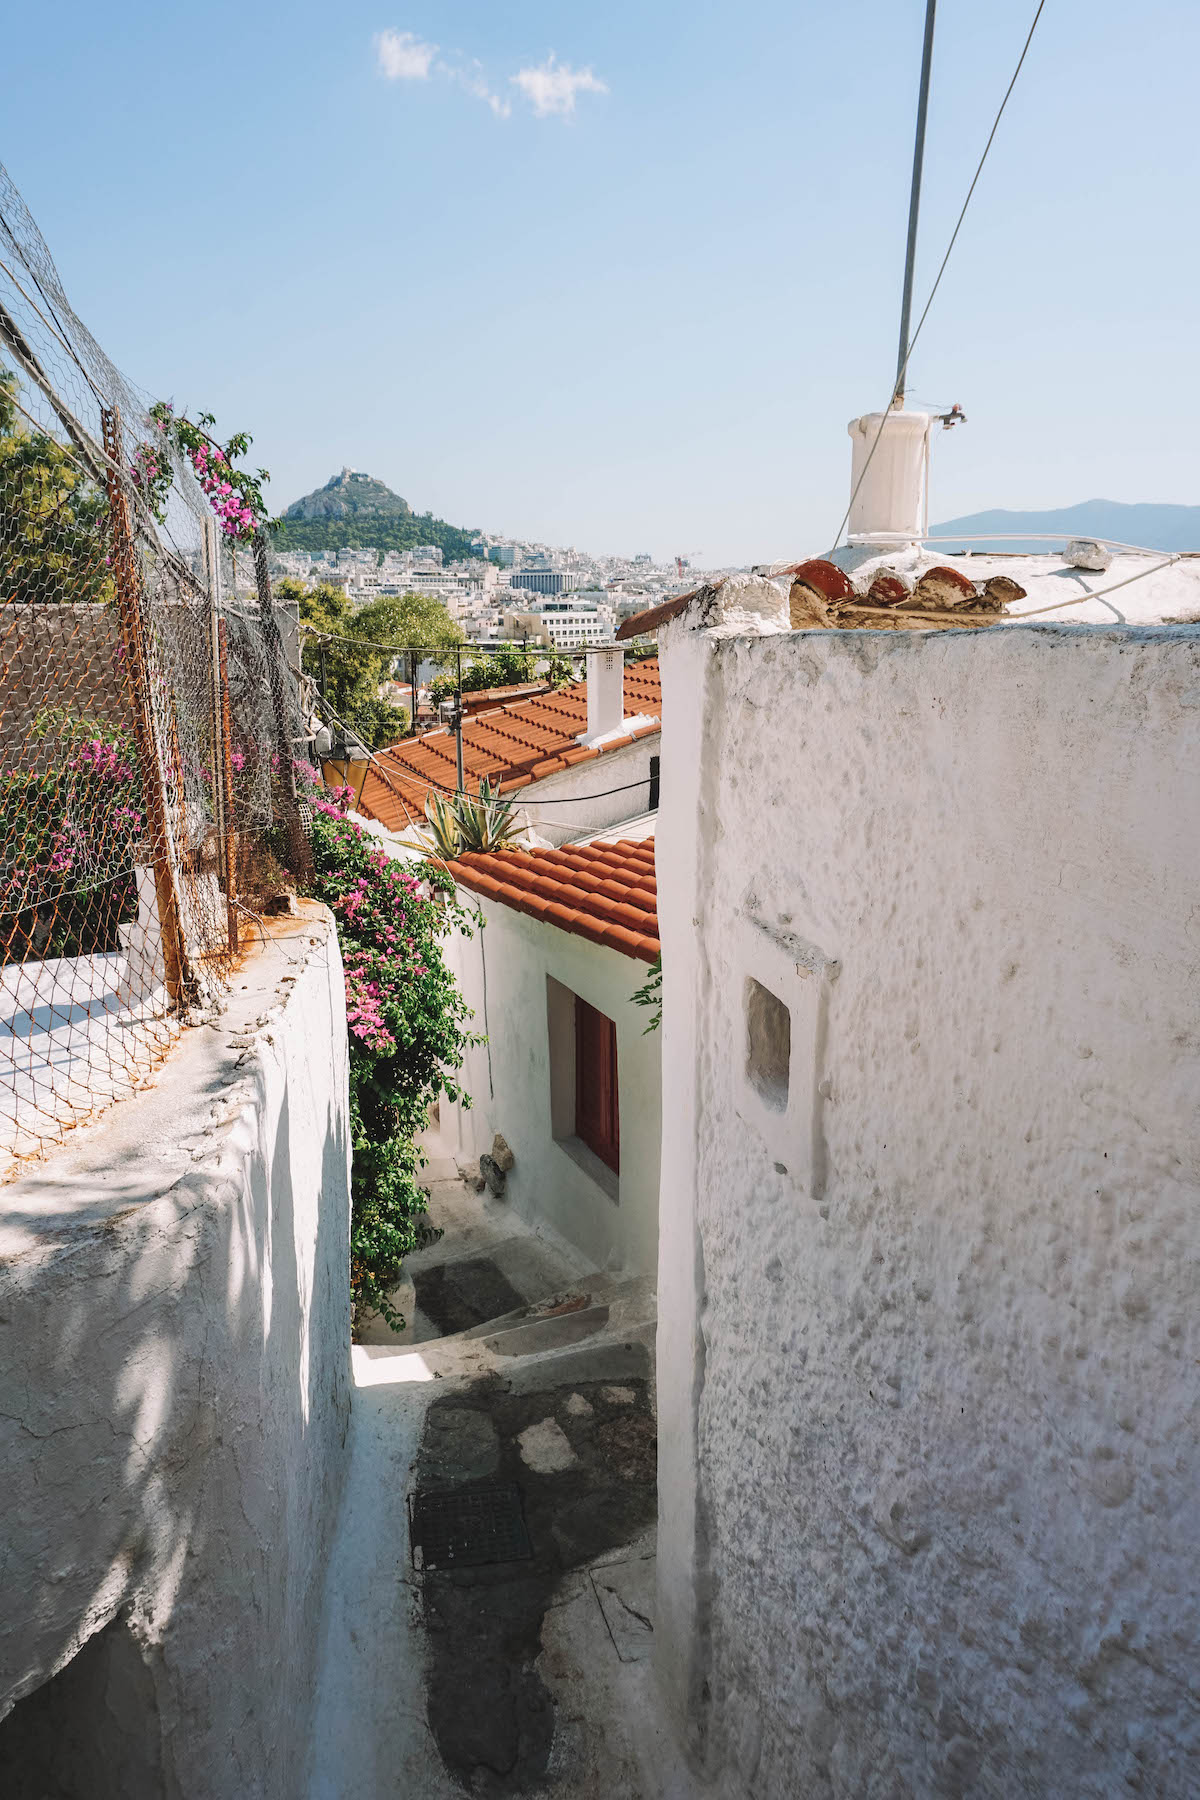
{"type": "Point", "coordinates": [768, 1045]}
{"type": "Point", "coordinates": [778, 1011]}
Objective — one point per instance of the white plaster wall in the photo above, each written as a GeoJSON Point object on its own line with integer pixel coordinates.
{"type": "Point", "coordinates": [174, 1329]}
{"type": "Point", "coordinates": [928, 1342]}
{"type": "Point", "coordinates": [508, 1080]}
{"type": "Point", "coordinates": [626, 770]}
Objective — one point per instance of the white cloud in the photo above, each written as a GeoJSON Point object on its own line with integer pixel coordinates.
{"type": "Point", "coordinates": [473, 80]}
{"type": "Point", "coordinates": [403, 57]}
{"type": "Point", "coordinates": [551, 87]}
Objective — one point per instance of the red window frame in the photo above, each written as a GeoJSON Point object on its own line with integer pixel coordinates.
{"type": "Point", "coordinates": [597, 1104]}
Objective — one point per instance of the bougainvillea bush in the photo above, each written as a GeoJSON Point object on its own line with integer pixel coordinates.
{"type": "Point", "coordinates": [235, 494]}
{"type": "Point", "coordinates": [408, 1032]}
{"type": "Point", "coordinates": [72, 835]}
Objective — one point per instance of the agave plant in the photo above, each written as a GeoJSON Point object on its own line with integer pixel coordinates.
{"type": "Point", "coordinates": [443, 826]}
{"type": "Point", "coordinates": [458, 823]}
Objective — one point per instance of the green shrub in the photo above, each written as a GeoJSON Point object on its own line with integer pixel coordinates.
{"type": "Point", "coordinates": [407, 1029]}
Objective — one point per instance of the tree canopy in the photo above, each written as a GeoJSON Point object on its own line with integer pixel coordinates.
{"type": "Point", "coordinates": [354, 671]}
{"type": "Point", "coordinates": [53, 518]}
{"type": "Point", "coordinates": [505, 667]}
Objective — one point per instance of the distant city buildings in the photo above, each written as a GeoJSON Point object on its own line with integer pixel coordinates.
{"type": "Point", "coordinates": [562, 624]}
{"type": "Point", "coordinates": [508, 590]}
{"type": "Point", "coordinates": [546, 581]}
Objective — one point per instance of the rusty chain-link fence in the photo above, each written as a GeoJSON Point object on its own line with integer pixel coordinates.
{"type": "Point", "coordinates": [149, 724]}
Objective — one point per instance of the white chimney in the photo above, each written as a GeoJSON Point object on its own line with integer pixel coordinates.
{"type": "Point", "coordinates": [605, 695]}
{"type": "Point", "coordinates": [891, 499]}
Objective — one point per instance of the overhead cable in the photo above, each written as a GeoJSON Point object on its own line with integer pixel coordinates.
{"type": "Point", "coordinates": [941, 271]}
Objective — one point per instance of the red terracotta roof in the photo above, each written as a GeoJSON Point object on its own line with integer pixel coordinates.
{"type": "Point", "coordinates": [603, 891]}
{"type": "Point", "coordinates": [511, 745]}
{"type": "Point", "coordinates": [642, 622]}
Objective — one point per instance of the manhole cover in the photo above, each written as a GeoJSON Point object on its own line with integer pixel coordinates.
{"type": "Point", "coordinates": [463, 1528]}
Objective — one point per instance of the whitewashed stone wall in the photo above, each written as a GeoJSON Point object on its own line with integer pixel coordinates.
{"type": "Point", "coordinates": [174, 1364]}
{"type": "Point", "coordinates": [929, 1349]}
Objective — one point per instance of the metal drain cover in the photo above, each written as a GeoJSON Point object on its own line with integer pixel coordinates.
{"type": "Point", "coordinates": [463, 1528]}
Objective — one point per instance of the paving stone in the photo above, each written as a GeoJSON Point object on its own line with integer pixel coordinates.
{"type": "Point", "coordinates": [460, 1445]}
{"type": "Point", "coordinates": [546, 1448]}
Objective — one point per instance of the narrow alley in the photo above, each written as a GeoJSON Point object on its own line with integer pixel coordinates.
{"type": "Point", "coordinates": [515, 1659]}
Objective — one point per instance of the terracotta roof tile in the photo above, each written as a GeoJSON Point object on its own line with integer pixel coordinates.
{"type": "Point", "coordinates": [605, 892]}
{"type": "Point", "coordinates": [510, 745]}
{"type": "Point", "coordinates": [654, 616]}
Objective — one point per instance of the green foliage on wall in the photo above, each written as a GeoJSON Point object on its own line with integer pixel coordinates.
{"type": "Point", "coordinates": [407, 1031]}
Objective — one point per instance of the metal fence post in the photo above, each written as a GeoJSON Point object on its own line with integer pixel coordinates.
{"type": "Point", "coordinates": [222, 760]}
{"type": "Point", "coordinates": [277, 673]}
{"type": "Point", "coordinates": [458, 719]}
{"type": "Point", "coordinates": [230, 841]}
{"type": "Point", "coordinates": [133, 640]}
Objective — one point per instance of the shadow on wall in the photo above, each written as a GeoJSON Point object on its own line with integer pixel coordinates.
{"type": "Point", "coordinates": [93, 1729]}
{"type": "Point", "coordinates": [176, 1458]}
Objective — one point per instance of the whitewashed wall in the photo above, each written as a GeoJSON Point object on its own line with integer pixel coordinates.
{"type": "Point", "coordinates": [174, 1363]}
{"type": "Point", "coordinates": [585, 796]}
{"type": "Point", "coordinates": [929, 1348]}
{"type": "Point", "coordinates": [510, 1087]}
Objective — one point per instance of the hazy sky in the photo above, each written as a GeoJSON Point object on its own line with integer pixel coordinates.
{"type": "Point", "coordinates": [617, 275]}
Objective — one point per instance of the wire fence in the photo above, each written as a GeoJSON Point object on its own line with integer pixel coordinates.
{"type": "Point", "coordinates": [149, 724]}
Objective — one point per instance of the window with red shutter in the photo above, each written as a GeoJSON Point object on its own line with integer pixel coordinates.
{"type": "Point", "coordinates": [597, 1116]}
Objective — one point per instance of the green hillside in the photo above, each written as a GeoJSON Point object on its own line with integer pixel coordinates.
{"type": "Point", "coordinates": [354, 511]}
{"type": "Point", "coordinates": [377, 534]}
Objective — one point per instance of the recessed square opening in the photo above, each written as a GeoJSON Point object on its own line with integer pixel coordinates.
{"type": "Point", "coordinates": [768, 1045]}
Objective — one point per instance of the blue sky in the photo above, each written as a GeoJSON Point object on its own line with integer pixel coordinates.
{"type": "Point", "coordinates": [636, 312]}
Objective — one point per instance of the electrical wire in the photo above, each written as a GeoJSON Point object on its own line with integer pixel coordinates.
{"type": "Point", "coordinates": [447, 654]}
{"type": "Point", "coordinates": [1047, 537]}
{"type": "Point", "coordinates": [912, 342]}
{"type": "Point", "coordinates": [1095, 593]}
{"type": "Point", "coordinates": [565, 800]}
{"type": "Point", "coordinates": [440, 786]}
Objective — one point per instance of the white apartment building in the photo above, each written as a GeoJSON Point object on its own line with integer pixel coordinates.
{"type": "Point", "coordinates": [562, 624]}
{"type": "Point", "coordinates": [546, 581]}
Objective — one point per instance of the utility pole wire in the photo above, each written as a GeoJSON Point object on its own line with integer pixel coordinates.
{"type": "Point", "coordinates": [901, 372]}
{"type": "Point", "coordinates": [914, 204]}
